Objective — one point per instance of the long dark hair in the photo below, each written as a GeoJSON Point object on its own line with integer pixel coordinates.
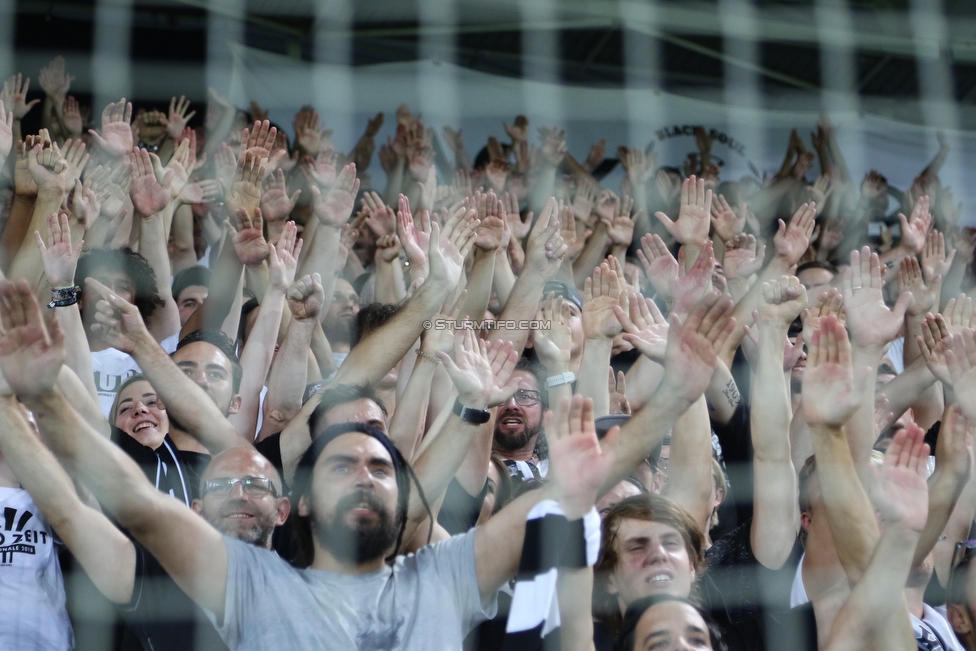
{"type": "Point", "coordinates": [302, 485]}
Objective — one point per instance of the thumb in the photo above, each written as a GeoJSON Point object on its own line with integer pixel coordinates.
{"type": "Point", "coordinates": [905, 301]}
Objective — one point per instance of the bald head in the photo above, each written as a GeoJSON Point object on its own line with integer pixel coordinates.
{"type": "Point", "coordinates": [241, 496]}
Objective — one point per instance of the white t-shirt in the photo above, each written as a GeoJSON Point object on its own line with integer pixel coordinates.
{"type": "Point", "coordinates": [112, 367]}
{"type": "Point", "coordinates": [32, 601]}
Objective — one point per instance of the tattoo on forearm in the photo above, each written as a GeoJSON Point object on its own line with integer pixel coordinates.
{"type": "Point", "coordinates": [731, 394]}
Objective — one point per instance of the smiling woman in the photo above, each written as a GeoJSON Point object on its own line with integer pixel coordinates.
{"type": "Point", "coordinates": [139, 413]}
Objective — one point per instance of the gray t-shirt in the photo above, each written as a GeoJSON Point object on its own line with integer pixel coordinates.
{"type": "Point", "coordinates": [426, 601]}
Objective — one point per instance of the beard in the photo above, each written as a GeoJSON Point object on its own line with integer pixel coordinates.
{"type": "Point", "coordinates": [258, 533]}
{"type": "Point", "coordinates": [516, 441]}
{"type": "Point", "coordinates": [365, 541]}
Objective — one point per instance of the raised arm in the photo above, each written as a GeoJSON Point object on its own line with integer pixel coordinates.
{"type": "Point", "coordinates": [289, 371]}
{"type": "Point", "coordinates": [580, 465]}
{"type": "Point", "coordinates": [190, 550]}
{"type": "Point", "coordinates": [875, 615]}
{"type": "Point", "coordinates": [777, 516]}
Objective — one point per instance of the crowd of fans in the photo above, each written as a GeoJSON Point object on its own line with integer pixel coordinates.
{"type": "Point", "coordinates": [258, 402]}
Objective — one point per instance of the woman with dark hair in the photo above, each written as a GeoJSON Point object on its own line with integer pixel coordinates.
{"type": "Point", "coordinates": [664, 622]}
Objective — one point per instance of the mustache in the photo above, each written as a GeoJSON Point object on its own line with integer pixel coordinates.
{"type": "Point", "coordinates": [353, 499]}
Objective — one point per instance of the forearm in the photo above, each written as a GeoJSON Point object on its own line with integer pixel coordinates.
{"type": "Point", "coordinates": [592, 376]}
{"type": "Point", "coordinates": [722, 394]}
{"type": "Point", "coordinates": [956, 529]}
{"type": "Point", "coordinates": [286, 385]}
{"type": "Point", "coordinates": [437, 465]}
{"type": "Point", "coordinates": [27, 262]}
{"type": "Point", "coordinates": [906, 389]}
{"type": "Point", "coordinates": [321, 258]}
{"type": "Point", "coordinates": [503, 276]}
{"type": "Point", "coordinates": [543, 186]}
{"type": "Point", "coordinates": [389, 287]}
{"type": "Point", "coordinates": [523, 304]}
{"type": "Point", "coordinates": [77, 351]}
{"type": "Point", "coordinates": [944, 491]}
{"type": "Point", "coordinates": [646, 430]}
{"type": "Point", "coordinates": [592, 255]}
{"type": "Point", "coordinates": [394, 181]}
{"type": "Point", "coordinates": [850, 515]}
{"type": "Point", "coordinates": [223, 288]}
{"type": "Point", "coordinates": [407, 423]}
{"type": "Point", "coordinates": [690, 468]}
{"type": "Point", "coordinates": [184, 253]}
{"type": "Point", "coordinates": [116, 480]}
{"type": "Point", "coordinates": [16, 228]}
{"type": "Point", "coordinates": [165, 321]}
{"type": "Point", "coordinates": [374, 356]}
{"type": "Point", "coordinates": [105, 553]}
{"type": "Point", "coordinates": [185, 401]}
{"type": "Point", "coordinates": [643, 379]}
{"type": "Point", "coordinates": [776, 514]}
{"type": "Point", "coordinates": [256, 360]}
{"type": "Point", "coordinates": [861, 427]}
{"type": "Point", "coordinates": [323, 352]}
{"type": "Point", "coordinates": [479, 284]}
{"type": "Point", "coordinates": [574, 592]}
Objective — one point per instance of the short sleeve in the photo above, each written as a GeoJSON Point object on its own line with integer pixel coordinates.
{"type": "Point", "coordinates": [452, 564]}
{"type": "Point", "coordinates": [248, 571]}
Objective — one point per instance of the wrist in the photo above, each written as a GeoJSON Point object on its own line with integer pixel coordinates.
{"type": "Point", "coordinates": [472, 409]}
{"type": "Point", "coordinates": [554, 366]}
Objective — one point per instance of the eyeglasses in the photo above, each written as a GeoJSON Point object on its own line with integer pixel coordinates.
{"type": "Point", "coordinates": [252, 486]}
{"type": "Point", "coordinates": [527, 397]}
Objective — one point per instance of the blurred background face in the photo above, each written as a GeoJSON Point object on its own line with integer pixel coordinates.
{"type": "Point", "coordinates": [671, 626]}
{"type": "Point", "coordinates": [341, 317]}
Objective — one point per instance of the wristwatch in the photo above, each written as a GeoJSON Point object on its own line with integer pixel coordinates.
{"type": "Point", "coordinates": [469, 415]}
{"type": "Point", "coordinates": [558, 380]}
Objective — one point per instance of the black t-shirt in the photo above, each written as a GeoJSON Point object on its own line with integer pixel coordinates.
{"type": "Point", "coordinates": [460, 509]}
{"type": "Point", "coordinates": [750, 590]}
{"type": "Point", "coordinates": [163, 466]}
{"type": "Point", "coordinates": [284, 540]}
{"type": "Point", "coordinates": [195, 464]}
{"type": "Point", "coordinates": [161, 617]}
{"type": "Point", "coordinates": [735, 437]}
{"type": "Point", "coordinates": [270, 449]}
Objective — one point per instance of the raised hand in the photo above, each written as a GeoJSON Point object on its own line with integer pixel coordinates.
{"type": "Point", "coordinates": [470, 369]}
{"type": "Point", "coordinates": [381, 219]}
{"type": "Point", "coordinates": [901, 494]}
{"type": "Point", "coordinates": [914, 230]}
{"type": "Point", "coordinates": [245, 191]}
{"type": "Point", "coordinates": [14, 96]}
{"type": "Point", "coordinates": [579, 464]}
{"type": "Point", "coordinates": [659, 265]}
{"type": "Point", "coordinates": [869, 320]}
{"type": "Point", "coordinates": [54, 81]}
{"type": "Point", "coordinates": [200, 192]}
{"type": "Point", "coordinates": [742, 258]}
{"type": "Point", "coordinates": [553, 345]}
{"type": "Point", "coordinates": [829, 394]}
{"type": "Point", "coordinates": [935, 262]}
{"type": "Point", "coordinates": [322, 169]}
{"type": "Point", "coordinates": [283, 259]}
{"type": "Point", "coordinates": [116, 136]}
{"type": "Point", "coordinates": [442, 339]}
{"type": "Point", "coordinates": [334, 207]}
{"type": "Point", "coordinates": [553, 148]}
{"type": "Point", "coordinates": [954, 447]}
{"type": "Point", "coordinates": [31, 351]}
{"type": "Point", "coordinates": [248, 240]}
{"type": "Point", "coordinates": [689, 288]}
{"type": "Point", "coordinates": [601, 293]}
{"type": "Point", "coordinates": [620, 227]}
{"type": "Point", "coordinates": [519, 226]}
{"type": "Point", "coordinates": [958, 313]}
{"type": "Point", "coordinates": [117, 322]}
{"type": "Point", "coordinates": [276, 205]}
{"type": "Point", "coordinates": [306, 297]}
{"type": "Point", "coordinates": [691, 227]}
{"type": "Point", "coordinates": [111, 186]}
{"type": "Point", "coordinates": [49, 171]}
{"type": "Point", "coordinates": [519, 131]}
{"type": "Point", "coordinates": [792, 241]}
{"type": "Point", "coordinates": [933, 343]}
{"type": "Point", "coordinates": [503, 358]}
{"type": "Point", "coordinates": [646, 328]}
{"type": "Point", "coordinates": [447, 250]}
{"type": "Point", "coordinates": [85, 205]}
{"type": "Point", "coordinates": [414, 241]}
{"type": "Point", "coordinates": [148, 196]}
{"type": "Point", "coordinates": [926, 296]}
{"type": "Point", "coordinates": [489, 235]}
{"type": "Point", "coordinates": [567, 229]}
{"type": "Point", "coordinates": [727, 222]}
{"type": "Point", "coordinates": [693, 345]}
{"type": "Point", "coordinates": [545, 247]}
{"type": "Point", "coordinates": [59, 256]}
{"type": "Point", "coordinates": [178, 117]}
{"type": "Point", "coordinates": [829, 303]}
{"type": "Point", "coordinates": [961, 362]}
{"type": "Point", "coordinates": [618, 393]}
{"type": "Point", "coordinates": [783, 301]}
{"type": "Point", "coordinates": [74, 154]}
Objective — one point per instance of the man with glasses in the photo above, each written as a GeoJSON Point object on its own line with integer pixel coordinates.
{"type": "Point", "coordinates": [518, 425]}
